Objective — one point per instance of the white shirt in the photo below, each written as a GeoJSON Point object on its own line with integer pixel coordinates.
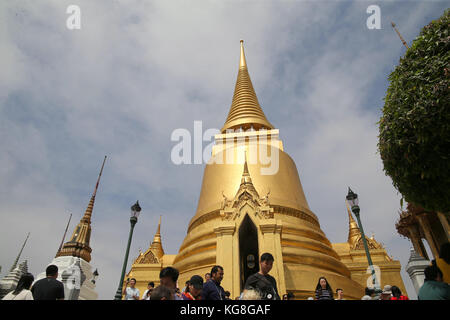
{"type": "Point", "coordinates": [23, 295]}
{"type": "Point", "coordinates": [131, 292]}
{"type": "Point", "coordinates": [144, 297]}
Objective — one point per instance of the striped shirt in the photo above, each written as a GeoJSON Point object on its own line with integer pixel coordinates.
{"type": "Point", "coordinates": [324, 295]}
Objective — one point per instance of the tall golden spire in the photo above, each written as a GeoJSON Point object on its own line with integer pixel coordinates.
{"type": "Point", "coordinates": [245, 110]}
{"type": "Point", "coordinates": [353, 231]}
{"type": "Point", "coordinates": [156, 245]}
{"type": "Point", "coordinates": [78, 246]}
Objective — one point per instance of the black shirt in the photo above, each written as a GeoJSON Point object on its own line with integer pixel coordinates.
{"type": "Point", "coordinates": [48, 289]}
{"type": "Point", "coordinates": [265, 284]}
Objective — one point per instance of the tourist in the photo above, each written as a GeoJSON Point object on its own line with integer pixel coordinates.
{"type": "Point", "coordinates": [178, 295]}
{"type": "Point", "coordinates": [162, 293]}
{"type": "Point", "coordinates": [434, 288]}
{"type": "Point", "coordinates": [186, 287]}
{"type": "Point", "coordinates": [262, 281]}
{"type": "Point", "coordinates": [168, 277]}
{"type": "Point", "coordinates": [290, 296]}
{"type": "Point", "coordinates": [131, 292]}
{"type": "Point", "coordinates": [194, 291]}
{"type": "Point", "coordinates": [212, 289]}
{"type": "Point", "coordinates": [443, 262]}
{"type": "Point", "coordinates": [227, 295]}
{"type": "Point", "coordinates": [148, 292]}
{"type": "Point", "coordinates": [22, 291]}
{"type": "Point", "coordinates": [323, 290]}
{"type": "Point", "coordinates": [397, 294]}
{"type": "Point", "coordinates": [386, 294]}
{"type": "Point", "coordinates": [207, 276]}
{"type": "Point", "coordinates": [369, 292]}
{"type": "Point", "coordinates": [340, 294]}
{"type": "Point", "coordinates": [48, 288]}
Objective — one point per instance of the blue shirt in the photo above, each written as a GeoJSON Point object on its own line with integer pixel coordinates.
{"type": "Point", "coordinates": [212, 291]}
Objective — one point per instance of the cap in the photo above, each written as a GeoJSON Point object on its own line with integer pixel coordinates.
{"type": "Point", "coordinates": [387, 289]}
{"type": "Point", "coordinates": [197, 282]}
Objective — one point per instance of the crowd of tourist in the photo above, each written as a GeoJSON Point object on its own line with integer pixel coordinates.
{"type": "Point", "coordinates": [258, 286]}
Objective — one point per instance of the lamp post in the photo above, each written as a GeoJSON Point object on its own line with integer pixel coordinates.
{"type": "Point", "coordinates": [352, 199]}
{"type": "Point", "coordinates": [135, 211]}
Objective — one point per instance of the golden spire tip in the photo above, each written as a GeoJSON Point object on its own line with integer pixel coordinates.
{"type": "Point", "coordinates": [242, 62]}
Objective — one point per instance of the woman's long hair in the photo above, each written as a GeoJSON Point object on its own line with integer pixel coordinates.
{"type": "Point", "coordinates": [396, 292]}
{"type": "Point", "coordinates": [328, 287]}
{"type": "Point", "coordinates": [25, 282]}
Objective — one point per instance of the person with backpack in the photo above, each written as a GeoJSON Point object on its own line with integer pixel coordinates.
{"type": "Point", "coordinates": [262, 281]}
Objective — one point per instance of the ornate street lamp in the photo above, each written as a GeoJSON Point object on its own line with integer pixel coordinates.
{"type": "Point", "coordinates": [352, 199]}
{"type": "Point", "coordinates": [135, 211]}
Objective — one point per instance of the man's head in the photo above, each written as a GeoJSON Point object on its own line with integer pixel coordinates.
{"type": "Point", "coordinates": [386, 294]}
{"type": "Point", "coordinates": [168, 277]}
{"type": "Point", "coordinates": [150, 285]}
{"type": "Point", "coordinates": [161, 293]}
{"type": "Point", "coordinates": [207, 276]}
{"type": "Point", "coordinates": [339, 292]}
{"type": "Point", "coordinates": [266, 263]}
{"type": "Point", "coordinates": [433, 273]}
{"type": "Point", "coordinates": [51, 271]}
{"type": "Point", "coordinates": [196, 286]}
{"type": "Point", "coordinates": [132, 282]}
{"type": "Point", "coordinates": [369, 291]}
{"type": "Point", "coordinates": [217, 274]}
{"type": "Point", "coordinates": [290, 296]}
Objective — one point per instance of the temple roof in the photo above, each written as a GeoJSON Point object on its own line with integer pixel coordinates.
{"type": "Point", "coordinates": [155, 252]}
{"type": "Point", "coordinates": [245, 110]}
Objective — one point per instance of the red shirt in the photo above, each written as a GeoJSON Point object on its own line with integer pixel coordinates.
{"type": "Point", "coordinates": [401, 298]}
{"type": "Point", "coordinates": [189, 296]}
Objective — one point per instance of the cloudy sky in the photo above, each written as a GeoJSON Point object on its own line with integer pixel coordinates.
{"type": "Point", "coordinates": [138, 70]}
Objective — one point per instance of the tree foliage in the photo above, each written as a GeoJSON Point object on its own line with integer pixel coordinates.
{"type": "Point", "coordinates": [414, 139]}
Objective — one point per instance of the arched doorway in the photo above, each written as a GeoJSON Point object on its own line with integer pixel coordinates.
{"type": "Point", "coordinates": [248, 250]}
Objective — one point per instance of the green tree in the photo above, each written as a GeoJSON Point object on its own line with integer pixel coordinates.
{"type": "Point", "coordinates": [414, 139]}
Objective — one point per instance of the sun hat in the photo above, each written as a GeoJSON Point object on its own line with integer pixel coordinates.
{"type": "Point", "coordinates": [387, 289]}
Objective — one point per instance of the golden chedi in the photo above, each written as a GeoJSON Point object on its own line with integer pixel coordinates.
{"type": "Point", "coordinates": [353, 255]}
{"type": "Point", "coordinates": [147, 265]}
{"type": "Point", "coordinates": [251, 202]}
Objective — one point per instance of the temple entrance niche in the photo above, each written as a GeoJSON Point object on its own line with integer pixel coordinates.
{"type": "Point", "coordinates": [248, 250]}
